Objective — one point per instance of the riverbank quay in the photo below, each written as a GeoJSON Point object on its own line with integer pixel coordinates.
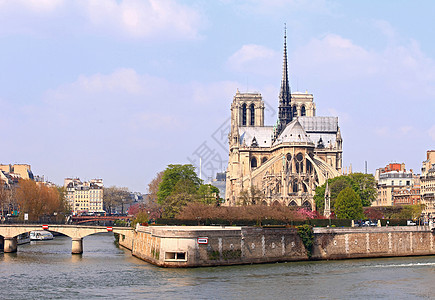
{"type": "Point", "coordinates": [197, 246]}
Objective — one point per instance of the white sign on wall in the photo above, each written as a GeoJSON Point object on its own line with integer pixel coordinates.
{"type": "Point", "coordinates": [202, 240]}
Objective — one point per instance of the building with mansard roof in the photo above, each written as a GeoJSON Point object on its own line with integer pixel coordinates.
{"type": "Point", "coordinates": [287, 161]}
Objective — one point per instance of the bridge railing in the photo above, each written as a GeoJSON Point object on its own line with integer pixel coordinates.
{"type": "Point", "coordinates": [21, 222]}
{"type": "Point", "coordinates": [98, 222]}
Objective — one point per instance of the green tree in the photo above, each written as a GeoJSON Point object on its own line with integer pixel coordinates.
{"type": "Point", "coordinates": [336, 185]}
{"type": "Point", "coordinates": [348, 205]}
{"type": "Point", "coordinates": [175, 202]}
{"type": "Point", "coordinates": [410, 212]}
{"type": "Point", "coordinates": [179, 186]}
{"type": "Point", "coordinates": [363, 184]}
{"type": "Point", "coordinates": [171, 176]}
{"type": "Point", "coordinates": [208, 194]}
{"type": "Point", "coordinates": [141, 217]}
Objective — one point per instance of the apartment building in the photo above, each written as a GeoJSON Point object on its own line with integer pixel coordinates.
{"type": "Point", "coordinates": [390, 180]}
{"type": "Point", "coordinates": [428, 184]}
{"type": "Point", "coordinates": [84, 197]}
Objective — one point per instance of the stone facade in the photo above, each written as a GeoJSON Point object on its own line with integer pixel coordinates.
{"type": "Point", "coordinates": [183, 246]}
{"type": "Point", "coordinates": [428, 185]}
{"type": "Point", "coordinates": [84, 196]}
{"type": "Point", "coordinates": [10, 174]}
{"type": "Point", "coordinates": [285, 162]}
{"type": "Point", "coordinates": [396, 185]}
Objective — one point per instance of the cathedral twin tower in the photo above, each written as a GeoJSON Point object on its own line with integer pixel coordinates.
{"type": "Point", "coordinates": [282, 163]}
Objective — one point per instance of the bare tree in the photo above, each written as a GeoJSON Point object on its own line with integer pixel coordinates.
{"type": "Point", "coordinates": [251, 196]}
{"type": "Point", "coordinates": [38, 200]}
{"type": "Point", "coordinates": [115, 196]}
{"type": "Point", "coordinates": [153, 187]}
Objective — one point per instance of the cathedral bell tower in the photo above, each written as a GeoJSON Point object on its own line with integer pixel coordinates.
{"type": "Point", "coordinates": [285, 110]}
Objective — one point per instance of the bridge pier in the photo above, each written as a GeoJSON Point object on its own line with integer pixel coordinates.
{"type": "Point", "coordinates": [10, 244]}
{"type": "Point", "coordinates": [77, 246]}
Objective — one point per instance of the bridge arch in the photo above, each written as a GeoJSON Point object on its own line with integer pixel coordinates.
{"type": "Point", "coordinates": [75, 232]}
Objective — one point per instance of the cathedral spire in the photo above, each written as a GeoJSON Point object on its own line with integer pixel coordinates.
{"type": "Point", "coordinates": [285, 111]}
{"type": "Point", "coordinates": [284, 96]}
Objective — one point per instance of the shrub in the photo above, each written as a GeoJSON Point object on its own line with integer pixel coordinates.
{"type": "Point", "coordinates": [306, 234]}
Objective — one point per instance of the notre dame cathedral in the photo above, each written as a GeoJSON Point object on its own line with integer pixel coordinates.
{"type": "Point", "coordinates": [286, 161]}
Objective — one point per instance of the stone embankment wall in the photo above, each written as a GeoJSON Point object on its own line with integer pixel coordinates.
{"type": "Point", "coordinates": [183, 246]}
{"type": "Point", "coordinates": [126, 240]}
{"type": "Point", "coordinates": [342, 243]}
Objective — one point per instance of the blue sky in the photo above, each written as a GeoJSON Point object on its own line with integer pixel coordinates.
{"type": "Point", "coordinates": [120, 89]}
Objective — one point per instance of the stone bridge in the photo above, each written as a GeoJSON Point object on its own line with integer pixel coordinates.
{"type": "Point", "coordinates": [75, 232]}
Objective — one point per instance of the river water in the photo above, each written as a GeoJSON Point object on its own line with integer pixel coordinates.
{"type": "Point", "coordinates": [47, 270]}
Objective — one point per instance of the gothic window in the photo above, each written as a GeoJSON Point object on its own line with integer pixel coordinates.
{"type": "Point", "coordinates": [253, 163]}
{"type": "Point", "coordinates": [295, 111]}
{"type": "Point", "coordinates": [306, 205]}
{"type": "Point", "coordinates": [252, 109]}
{"type": "Point", "coordinates": [244, 114]}
{"type": "Point", "coordinates": [303, 112]}
{"type": "Point", "coordinates": [295, 186]}
{"type": "Point", "coordinates": [288, 163]}
{"type": "Point", "coordinates": [304, 185]}
{"type": "Point", "coordinates": [293, 203]}
{"type": "Point", "coordinates": [299, 157]}
{"type": "Point", "coordinates": [263, 160]}
{"type": "Point", "coordinates": [299, 163]}
{"type": "Point", "coordinates": [309, 167]}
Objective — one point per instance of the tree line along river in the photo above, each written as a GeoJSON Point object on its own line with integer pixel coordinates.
{"type": "Point", "coordinates": [47, 270]}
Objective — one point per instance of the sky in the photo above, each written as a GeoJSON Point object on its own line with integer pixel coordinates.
{"type": "Point", "coordinates": [119, 89]}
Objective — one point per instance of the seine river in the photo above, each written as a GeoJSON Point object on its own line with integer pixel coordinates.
{"type": "Point", "coordinates": [47, 270]}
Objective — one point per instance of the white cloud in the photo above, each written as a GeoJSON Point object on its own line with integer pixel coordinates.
{"type": "Point", "coordinates": [125, 100]}
{"type": "Point", "coordinates": [104, 122]}
{"type": "Point", "coordinates": [156, 19]}
{"type": "Point", "coordinates": [35, 6]}
{"type": "Point", "coordinates": [144, 18]}
{"type": "Point", "coordinates": [255, 59]}
{"type": "Point", "coordinates": [406, 129]}
{"type": "Point", "coordinates": [333, 52]}
{"type": "Point", "coordinates": [214, 92]}
{"type": "Point", "coordinates": [386, 29]}
{"type": "Point", "coordinates": [382, 131]}
{"type": "Point", "coordinates": [401, 68]}
{"type": "Point", "coordinates": [281, 6]}
{"type": "Point", "coordinates": [122, 79]}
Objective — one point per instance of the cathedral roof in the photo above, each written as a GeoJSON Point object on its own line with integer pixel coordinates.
{"type": "Point", "coordinates": [293, 133]}
{"type": "Point", "coordinates": [319, 124]}
{"type": "Point", "coordinates": [262, 135]}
